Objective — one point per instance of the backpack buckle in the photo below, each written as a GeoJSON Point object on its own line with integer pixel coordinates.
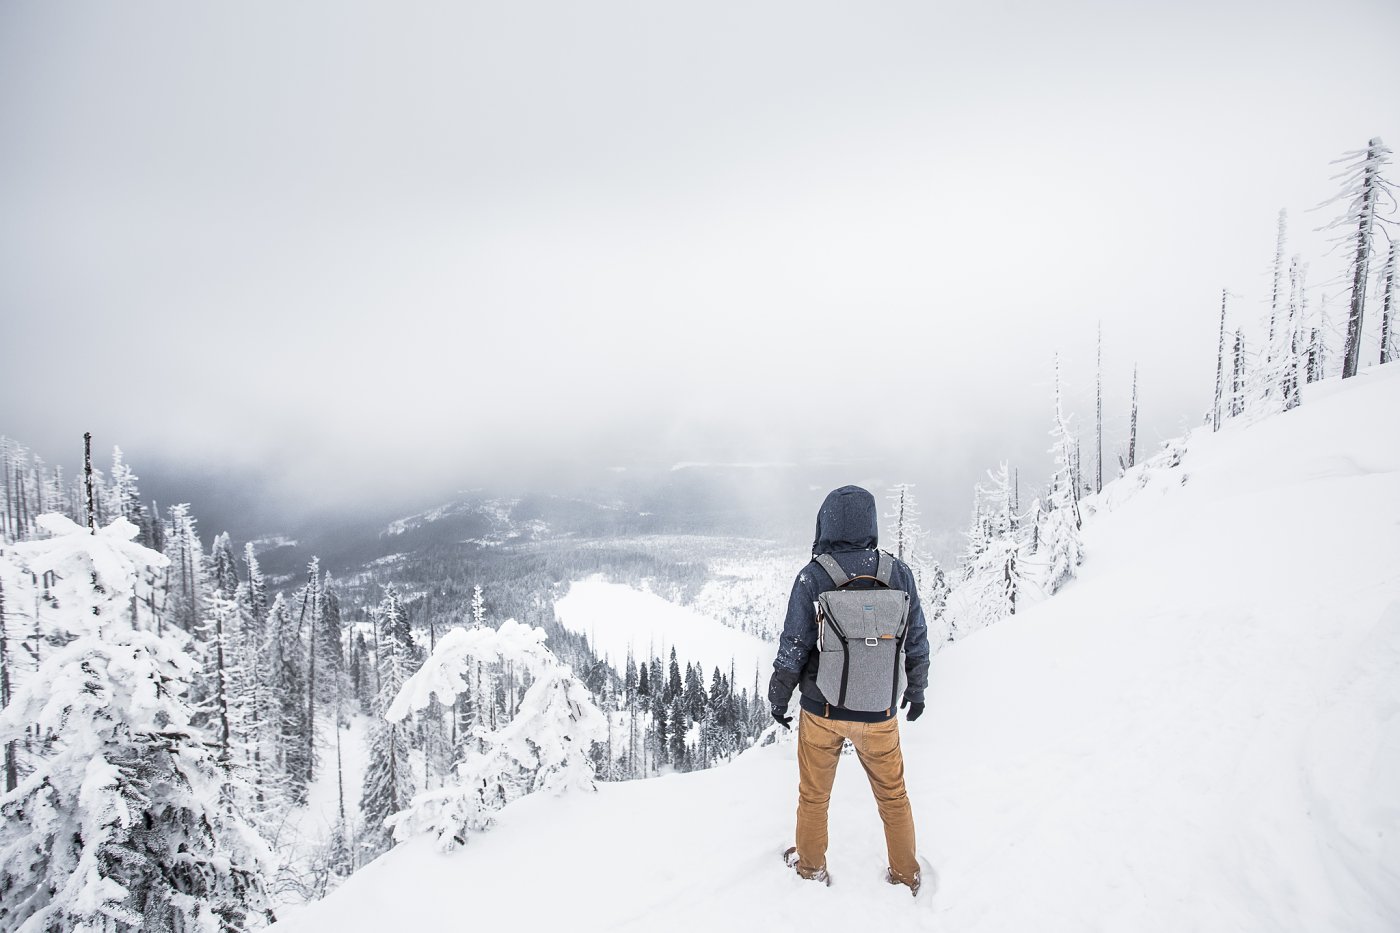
{"type": "Point", "coordinates": [872, 642]}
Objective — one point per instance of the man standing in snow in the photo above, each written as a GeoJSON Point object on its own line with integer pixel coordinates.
{"type": "Point", "coordinates": [846, 531]}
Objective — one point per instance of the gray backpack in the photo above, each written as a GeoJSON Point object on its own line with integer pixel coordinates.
{"type": "Point", "coordinates": [860, 639]}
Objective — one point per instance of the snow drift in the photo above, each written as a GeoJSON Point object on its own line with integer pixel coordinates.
{"type": "Point", "coordinates": [1202, 732]}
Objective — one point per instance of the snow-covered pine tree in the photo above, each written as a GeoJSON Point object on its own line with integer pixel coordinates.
{"type": "Point", "coordinates": [186, 573]}
{"type": "Point", "coordinates": [933, 589]}
{"type": "Point", "coordinates": [157, 528]}
{"type": "Point", "coordinates": [223, 689]}
{"type": "Point", "coordinates": [679, 750]}
{"type": "Point", "coordinates": [1061, 546]}
{"type": "Point", "coordinates": [990, 592]}
{"type": "Point", "coordinates": [361, 678]}
{"type": "Point", "coordinates": [976, 536]}
{"type": "Point", "coordinates": [329, 647]}
{"type": "Point", "coordinates": [388, 786]}
{"type": "Point", "coordinates": [285, 655]}
{"type": "Point", "coordinates": [904, 521]}
{"type": "Point", "coordinates": [909, 546]}
{"type": "Point", "coordinates": [1132, 424]}
{"type": "Point", "coordinates": [124, 499]}
{"type": "Point", "coordinates": [124, 824]}
{"type": "Point", "coordinates": [1366, 194]}
{"type": "Point", "coordinates": [659, 729]}
{"type": "Point", "coordinates": [693, 693]}
{"type": "Point", "coordinates": [478, 607]}
{"type": "Point", "coordinates": [263, 708]}
{"type": "Point", "coordinates": [673, 678]}
{"type": "Point", "coordinates": [308, 626]}
{"type": "Point", "coordinates": [57, 499]}
{"type": "Point", "coordinates": [719, 718]}
{"type": "Point", "coordinates": [629, 677]}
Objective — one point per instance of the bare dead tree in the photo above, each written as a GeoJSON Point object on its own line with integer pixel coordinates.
{"type": "Point", "coordinates": [1388, 305]}
{"type": "Point", "coordinates": [87, 474]}
{"type": "Point", "coordinates": [1366, 193]}
{"type": "Point", "coordinates": [1219, 366]}
{"type": "Point", "coordinates": [1098, 396]}
{"type": "Point", "coordinates": [1296, 271]}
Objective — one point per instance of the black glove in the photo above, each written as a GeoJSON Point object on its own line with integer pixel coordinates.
{"type": "Point", "coordinates": [784, 721]}
{"type": "Point", "coordinates": [915, 709]}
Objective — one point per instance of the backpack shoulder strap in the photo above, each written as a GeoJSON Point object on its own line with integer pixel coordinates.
{"type": "Point", "coordinates": [837, 573]}
{"type": "Point", "coordinates": [885, 568]}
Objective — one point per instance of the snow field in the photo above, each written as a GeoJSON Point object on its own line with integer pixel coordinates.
{"type": "Point", "coordinates": [1200, 733]}
{"type": "Point", "coordinates": [617, 617]}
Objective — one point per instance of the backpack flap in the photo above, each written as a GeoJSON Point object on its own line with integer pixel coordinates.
{"type": "Point", "coordinates": [861, 652]}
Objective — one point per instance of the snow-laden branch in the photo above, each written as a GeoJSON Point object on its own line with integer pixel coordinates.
{"type": "Point", "coordinates": [444, 674]}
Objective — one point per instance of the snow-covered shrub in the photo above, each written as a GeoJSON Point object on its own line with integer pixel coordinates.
{"type": "Point", "coordinates": [544, 747]}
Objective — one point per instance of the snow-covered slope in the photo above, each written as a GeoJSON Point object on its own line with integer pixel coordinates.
{"type": "Point", "coordinates": [617, 617]}
{"type": "Point", "coordinates": [1201, 733]}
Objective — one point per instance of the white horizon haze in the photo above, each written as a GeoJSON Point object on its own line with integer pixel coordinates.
{"type": "Point", "coordinates": [362, 250]}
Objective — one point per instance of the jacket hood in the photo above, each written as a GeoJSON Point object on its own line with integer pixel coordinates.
{"type": "Point", "coordinates": [846, 522]}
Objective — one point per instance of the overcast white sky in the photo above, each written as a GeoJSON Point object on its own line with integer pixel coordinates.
{"type": "Point", "coordinates": [360, 245]}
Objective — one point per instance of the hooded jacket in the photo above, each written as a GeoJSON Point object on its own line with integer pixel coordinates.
{"type": "Point", "coordinates": [847, 530]}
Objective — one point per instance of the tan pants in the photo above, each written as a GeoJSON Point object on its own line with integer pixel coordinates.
{"type": "Point", "coordinates": [877, 745]}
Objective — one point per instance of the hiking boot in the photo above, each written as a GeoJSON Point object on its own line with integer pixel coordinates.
{"type": "Point", "coordinates": [914, 884]}
{"type": "Point", "coordinates": [807, 874]}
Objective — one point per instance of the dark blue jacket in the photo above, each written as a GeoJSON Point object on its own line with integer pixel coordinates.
{"type": "Point", "coordinates": [847, 530]}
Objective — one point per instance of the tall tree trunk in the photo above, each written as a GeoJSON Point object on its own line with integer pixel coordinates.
{"type": "Point", "coordinates": [1098, 395]}
{"type": "Point", "coordinates": [1296, 272]}
{"type": "Point", "coordinates": [432, 626]}
{"type": "Point", "coordinates": [1219, 362]}
{"type": "Point", "coordinates": [1237, 380]}
{"type": "Point", "coordinates": [9, 530]}
{"type": "Point", "coordinates": [310, 676]}
{"type": "Point", "coordinates": [1278, 283]}
{"type": "Point", "coordinates": [187, 577]}
{"type": "Point", "coordinates": [339, 763]}
{"type": "Point", "coordinates": [223, 685]}
{"type": "Point", "coordinates": [11, 768]}
{"type": "Point", "coordinates": [1361, 264]}
{"type": "Point", "coordinates": [1388, 306]}
{"type": "Point", "coordinates": [899, 539]}
{"type": "Point", "coordinates": [87, 473]}
{"type": "Point", "coordinates": [1078, 475]}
